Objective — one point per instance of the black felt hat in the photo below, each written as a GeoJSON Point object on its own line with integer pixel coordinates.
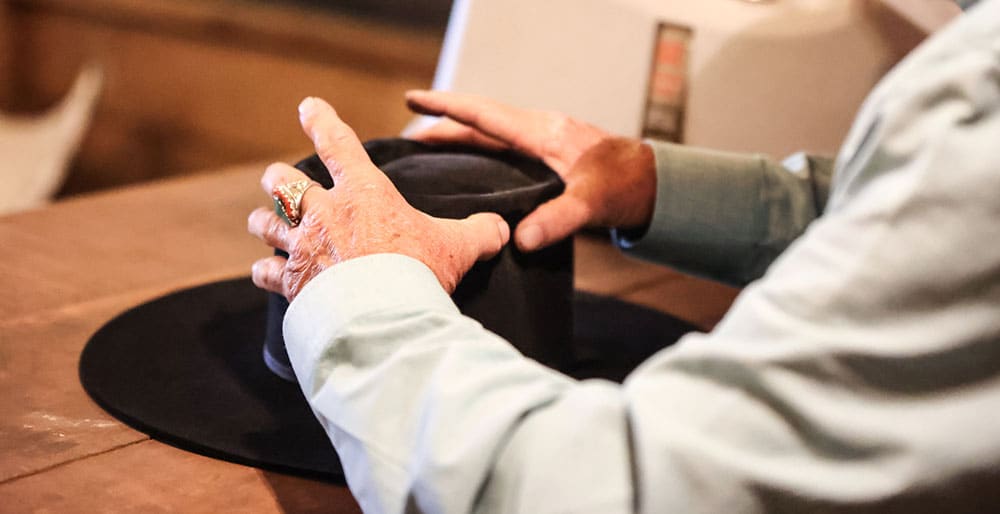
{"type": "Point", "coordinates": [193, 369]}
{"type": "Point", "coordinates": [523, 297]}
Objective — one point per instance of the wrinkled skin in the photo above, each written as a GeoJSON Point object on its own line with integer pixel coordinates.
{"type": "Point", "coordinates": [363, 215]}
{"type": "Point", "coordinates": [610, 181]}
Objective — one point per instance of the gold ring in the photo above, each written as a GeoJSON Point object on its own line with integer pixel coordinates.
{"type": "Point", "coordinates": [288, 200]}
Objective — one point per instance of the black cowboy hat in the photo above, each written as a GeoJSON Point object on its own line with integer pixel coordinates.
{"type": "Point", "coordinates": [204, 369]}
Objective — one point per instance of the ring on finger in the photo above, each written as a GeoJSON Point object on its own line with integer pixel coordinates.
{"type": "Point", "coordinates": [288, 200]}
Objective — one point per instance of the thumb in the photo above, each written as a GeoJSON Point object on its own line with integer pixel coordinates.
{"type": "Point", "coordinates": [485, 233]}
{"type": "Point", "coordinates": [551, 222]}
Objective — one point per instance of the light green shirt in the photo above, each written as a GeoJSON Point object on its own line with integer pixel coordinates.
{"type": "Point", "coordinates": [727, 216]}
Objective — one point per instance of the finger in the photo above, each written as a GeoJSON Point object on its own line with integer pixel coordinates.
{"type": "Point", "coordinates": [551, 222]}
{"type": "Point", "coordinates": [450, 131]}
{"type": "Point", "coordinates": [485, 234]}
{"type": "Point", "coordinates": [497, 120]}
{"type": "Point", "coordinates": [268, 227]}
{"type": "Point", "coordinates": [269, 274]}
{"type": "Point", "coordinates": [336, 143]}
{"type": "Point", "coordinates": [280, 173]}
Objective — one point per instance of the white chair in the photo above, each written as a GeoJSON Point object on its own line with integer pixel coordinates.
{"type": "Point", "coordinates": [35, 151]}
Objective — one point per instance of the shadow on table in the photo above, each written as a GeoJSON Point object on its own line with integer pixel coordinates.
{"type": "Point", "coordinates": [298, 495]}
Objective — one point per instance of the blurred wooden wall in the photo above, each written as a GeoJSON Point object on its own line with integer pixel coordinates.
{"type": "Point", "coordinates": [192, 85]}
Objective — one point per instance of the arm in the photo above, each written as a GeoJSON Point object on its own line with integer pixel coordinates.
{"type": "Point", "coordinates": [727, 216]}
{"type": "Point", "coordinates": [823, 390]}
{"type": "Point", "coordinates": [610, 181]}
{"type": "Point", "coordinates": [722, 215]}
{"type": "Point", "coordinates": [858, 375]}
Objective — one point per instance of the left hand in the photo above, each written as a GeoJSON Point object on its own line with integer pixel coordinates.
{"type": "Point", "coordinates": [610, 181]}
{"type": "Point", "coordinates": [363, 215]}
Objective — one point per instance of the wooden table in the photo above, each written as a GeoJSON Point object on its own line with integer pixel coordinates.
{"type": "Point", "coordinates": [67, 269]}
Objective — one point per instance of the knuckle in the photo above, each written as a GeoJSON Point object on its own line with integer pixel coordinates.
{"type": "Point", "coordinates": [333, 164]}
{"type": "Point", "coordinates": [301, 251]}
{"type": "Point", "coordinates": [328, 141]}
{"type": "Point", "coordinates": [259, 221]}
{"type": "Point", "coordinates": [272, 172]}
{"type": "Point", "coordinates": [324, 149]}
{"type": "Point", "coordinates": [253, 219]}
{"type": "Point", "coordinates": [272, 274]}
{"type": "Point", "coordinates": [475, 118]}
{"type": "Point", "coordinates": [274, 232]}
{"type": "Point", "coordinates": [343, 134]}
{"type": "Point", "coordinates": [559, 124]}
{"type": "Point", "coordinates": [267, 274]}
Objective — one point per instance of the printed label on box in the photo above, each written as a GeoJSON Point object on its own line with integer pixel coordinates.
{"type": "Point", "coordinates": [668, 78]}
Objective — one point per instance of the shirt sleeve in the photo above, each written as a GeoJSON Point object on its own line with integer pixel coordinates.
{"type": "Point", "coordinates": [727, 216]}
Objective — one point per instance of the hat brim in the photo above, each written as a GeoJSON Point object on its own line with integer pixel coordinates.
{"type": "Point", "coordinates": [187, 369]}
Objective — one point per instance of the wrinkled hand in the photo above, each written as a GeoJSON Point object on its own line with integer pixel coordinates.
{"type": "Point", "coordinates": [610, 181]}
{"type": "Point", "coordinates": [363, 215]}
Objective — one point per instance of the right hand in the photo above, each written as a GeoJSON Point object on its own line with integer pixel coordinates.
{"type": "Point", "coordinates": [363, 215]}
{"type": "Point", "coordinates": [610, 181]}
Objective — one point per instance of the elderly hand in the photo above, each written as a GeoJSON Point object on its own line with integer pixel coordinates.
{"type": "Point", "coordinates": [363, 215]}
{"type": "Point", "coordinates": [610, 181]}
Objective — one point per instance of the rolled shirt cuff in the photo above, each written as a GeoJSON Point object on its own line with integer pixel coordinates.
{"type": "Point", "coordinates": [708, 216]}
{"type": "Point", "coordinates": [351, 290]}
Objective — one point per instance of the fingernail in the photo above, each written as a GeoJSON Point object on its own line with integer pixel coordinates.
{"type": "Point", "coordinates": [414, 93]}
{"type": "Point", "coordinates": [529, 237]}
{"type": "Point", "coordinates": [307, 105]}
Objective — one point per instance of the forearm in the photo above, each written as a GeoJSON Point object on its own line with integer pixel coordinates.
{"type": "Point", "coordinates": [727, 216]}
{"type": "Point", "coordinates": [773, 411]}
{"type": "Point", "coordinates": [415, 397]}
{"type": "Point", "coordinates": [431, 413]}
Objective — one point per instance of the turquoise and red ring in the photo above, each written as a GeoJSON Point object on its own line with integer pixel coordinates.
{"type": "Point", "coordinates": [288, 200]}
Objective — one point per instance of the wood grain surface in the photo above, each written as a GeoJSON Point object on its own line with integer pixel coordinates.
{"type": "Point", "coordinates": [67, 269]}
